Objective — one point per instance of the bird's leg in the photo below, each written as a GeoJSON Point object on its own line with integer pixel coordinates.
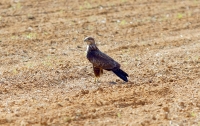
{"type": "Point", "coordinates": [96, 80]}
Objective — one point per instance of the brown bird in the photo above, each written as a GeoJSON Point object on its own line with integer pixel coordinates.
{"type": "Point", "coordinates": [101, 61]}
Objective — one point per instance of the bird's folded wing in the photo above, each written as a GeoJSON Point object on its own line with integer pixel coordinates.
{"type": "Point", "coordinates": [103, 61]}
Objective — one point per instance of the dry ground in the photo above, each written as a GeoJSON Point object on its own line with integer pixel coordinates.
{"type": "Point", "coordinates": [45, 78]}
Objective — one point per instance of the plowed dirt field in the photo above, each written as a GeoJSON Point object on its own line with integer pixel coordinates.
{"type": "Point", "coordinates": [45, 78]}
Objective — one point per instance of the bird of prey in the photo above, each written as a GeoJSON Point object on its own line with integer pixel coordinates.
{"type": "Point", "coordinates": [101, 61]}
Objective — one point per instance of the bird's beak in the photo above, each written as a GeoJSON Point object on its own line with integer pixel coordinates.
{"type": "Point", "coordinates": [88, 42]}
{"type": "Point", "coordinates": [85, 40]}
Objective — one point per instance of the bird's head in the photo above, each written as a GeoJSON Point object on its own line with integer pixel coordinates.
{"type": "Point", "coordinates": [89, 40]}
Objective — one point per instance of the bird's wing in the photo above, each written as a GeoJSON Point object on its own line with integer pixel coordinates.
{"type": "Point", "coordinates": [101, 60]}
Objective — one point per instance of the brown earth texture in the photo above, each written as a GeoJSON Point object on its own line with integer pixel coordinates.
{"type": "Point", "coordinates": [46, 79]}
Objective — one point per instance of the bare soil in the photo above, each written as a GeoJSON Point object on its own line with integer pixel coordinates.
{"type": "Point", "coordinates": [45, 78]}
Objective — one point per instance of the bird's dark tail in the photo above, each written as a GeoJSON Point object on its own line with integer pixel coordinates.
{"type": "Point", "coordinates": [120, 73]}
